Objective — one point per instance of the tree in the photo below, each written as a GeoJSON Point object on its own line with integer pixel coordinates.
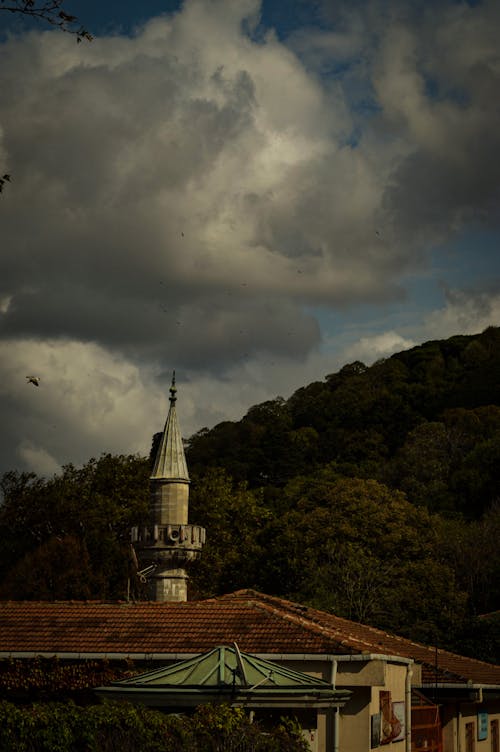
{"type": "Point", "coordinates": [89, 509]}
{"type": "Point", "coordinates": [235, 518]}
{"type": "Point", "coordinates": [120, 725]}
{"type": "Point", "coordinates": [59, 569]}
{"type": "Point", "coordinates": [361, 550]}
{"type": "Point", "coordinates": [422, 467]}
{"type": "Point", "coordinates": [471, 548]}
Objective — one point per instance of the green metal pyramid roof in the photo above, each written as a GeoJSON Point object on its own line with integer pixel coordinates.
{"type": "Point", "coordinates": [228, 667]}
{"type": "Point", "coordinates": [227, 674]}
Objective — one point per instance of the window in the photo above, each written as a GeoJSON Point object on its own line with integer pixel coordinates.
{"type": "Point", "coordinates": [494, 736]}
{"type": "Point", "coordinates": [470, 737]}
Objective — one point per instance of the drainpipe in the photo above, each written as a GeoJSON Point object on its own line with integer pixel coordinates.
{"type": "Point", "coordinates": [336, 729]}
{"type": "Point", "coordinates": [336, 714]}
{"type": "Point", "coordinates": [459, 727]}
{"type": "Point", "coordinates": [409, 674]}
{"type": "Point", "coordinates": [333, 672]}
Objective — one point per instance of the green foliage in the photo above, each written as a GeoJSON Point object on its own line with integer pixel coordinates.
{"type": "Point", "coordinates": [402, 421]}
{"type": "Point", "coordinates": [357, 548]}
{"type": "Point", "coordinates": [451, 465]}
{"type": "Point", "coordinates": [50, 679]}
{"type": "Point", "coordinates": [234, 517]}
{"type": "Point", "coordinates": [414, 553]}
{"type": "Point", "coordinates": [65, 727]}
{"type": "Point", "coordinates": [68, 537]}
{"type": "Point", "coordinates": [472, 552]}
{"type": "Point", "coordinates": [57, 727]}
{"type": "Point", "coordinates": [221, 728]}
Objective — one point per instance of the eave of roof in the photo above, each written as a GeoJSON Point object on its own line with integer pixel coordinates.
{"type": "Point", "coordinates": [163, 698]}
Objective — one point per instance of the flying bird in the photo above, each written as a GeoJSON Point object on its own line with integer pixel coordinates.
{"type": "Point", "coordinates": [33, 380]}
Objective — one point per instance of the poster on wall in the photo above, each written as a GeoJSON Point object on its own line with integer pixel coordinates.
{"type": "Point", "coordinates": [398, 711]}
{"type": "Point", "coordinates": [391, 726]}
{"type": "Point", "coordinates": [482, 726]}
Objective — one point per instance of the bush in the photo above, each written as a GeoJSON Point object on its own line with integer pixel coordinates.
{"type": "Point", "coordinates": [110, 726]}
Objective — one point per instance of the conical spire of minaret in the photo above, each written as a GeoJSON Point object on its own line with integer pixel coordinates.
{"type": "Point", "coordinates": [170, 462]}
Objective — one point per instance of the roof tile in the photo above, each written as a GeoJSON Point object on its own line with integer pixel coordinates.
{"type": "Point", "coordinates": [258, 623]}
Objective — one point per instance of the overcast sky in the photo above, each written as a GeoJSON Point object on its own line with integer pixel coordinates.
{"type": "Point", "coordinates": [252, 194]}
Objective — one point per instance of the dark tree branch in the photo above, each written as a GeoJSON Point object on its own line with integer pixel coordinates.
{"type": "Point", "coordinates": [49, 11]}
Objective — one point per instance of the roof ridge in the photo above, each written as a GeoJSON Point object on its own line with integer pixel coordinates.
{"type": "Point", "coordinates": [311, 626]}
{"type": "Point", "coordinates": [285, 605]}
{"type": "Point", "coordinates": [287, 609]}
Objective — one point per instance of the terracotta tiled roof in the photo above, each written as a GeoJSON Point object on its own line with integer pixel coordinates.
{"type": "Point", "coordinates": [258, 623]}
{"type": "Point", "coordinates": [437, 665]}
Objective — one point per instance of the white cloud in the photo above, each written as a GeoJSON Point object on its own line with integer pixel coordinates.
{"type": "Point", "coordinates": [371, 348]}
{"type": "Point", "coordinates": [89, 401]}
{"type": "Point", "coordinates": [465, 312]}
{"type": "Point", "coordinates": [38, 460]}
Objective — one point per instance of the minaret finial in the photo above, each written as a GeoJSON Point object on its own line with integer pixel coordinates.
{"type": "Point", "coordinates": [173, 390]}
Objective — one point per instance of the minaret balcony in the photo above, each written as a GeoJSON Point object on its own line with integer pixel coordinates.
{"type": "Point", "coordinates": [189, 537]}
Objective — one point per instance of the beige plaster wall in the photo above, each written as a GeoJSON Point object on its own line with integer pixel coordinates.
{"type": "Point", "coordinates": [394, 682]}
{"type": "Point", "coordinates": [365, 679]}
{"type": "Point", "coordinates": [454, 736]}
{"type": "Point", "coordinates": [319, 669]}
{"type": "Point", "coordinates": [355, 722]}
{"type": "Point", "coordinates": [361, 673]}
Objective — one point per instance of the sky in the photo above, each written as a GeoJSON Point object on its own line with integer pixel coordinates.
{"type": "Point", "coordinates": [251, 193]}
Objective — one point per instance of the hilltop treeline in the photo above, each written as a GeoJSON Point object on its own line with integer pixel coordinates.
{"type": "Point", "coordinates": [372, 494]}
{"type": "Point", "coordinates": [425, 421]}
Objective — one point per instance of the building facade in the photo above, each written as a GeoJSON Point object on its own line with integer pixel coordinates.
{"type": "Point", "coordinates": [403, 695]}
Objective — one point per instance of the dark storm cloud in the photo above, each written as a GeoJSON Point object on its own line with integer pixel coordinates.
{"type": "Point", "coordinates": [422, 78]}
{"type": "Point", "coordinates": [436, 81]}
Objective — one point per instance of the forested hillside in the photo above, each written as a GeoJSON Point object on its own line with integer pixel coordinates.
{"type": "Point", "coordinates": [425, 421]}
{"type": "Point", "coordinates": [372, 493]}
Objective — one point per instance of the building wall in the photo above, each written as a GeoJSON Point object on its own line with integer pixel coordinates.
{"type": "Point", "coordinates": [464, 723]}
{"type": "Point", "coordinates": [365, 679]}
{"type": "Point", "coordinates": [362, 717]}
{"type": "Point", "coordinates": [355, 722]}
{"type": "Point", "coordinates": [395, 685]}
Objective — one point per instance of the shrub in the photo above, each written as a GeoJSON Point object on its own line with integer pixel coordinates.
{"type": "Point", "coordinates": [110, 726]}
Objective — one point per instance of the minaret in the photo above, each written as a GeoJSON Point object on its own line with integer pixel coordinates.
{"type": "Point", "coordinates": [169, 542]}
